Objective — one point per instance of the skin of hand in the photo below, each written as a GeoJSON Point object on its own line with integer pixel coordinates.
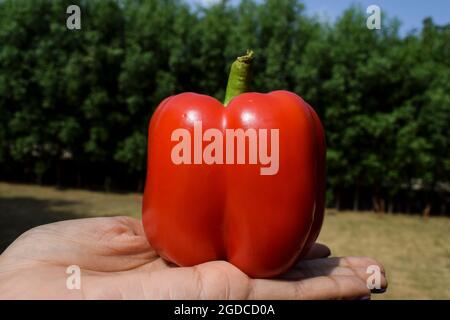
{"type": "Point", "coordinates": [116, 262]}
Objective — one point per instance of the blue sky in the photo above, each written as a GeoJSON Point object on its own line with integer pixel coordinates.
{"type": "Point", "coordinates": [410, 13]}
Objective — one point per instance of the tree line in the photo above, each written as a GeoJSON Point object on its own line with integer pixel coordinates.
{"type": "Point", "coordinates": [75, 104]}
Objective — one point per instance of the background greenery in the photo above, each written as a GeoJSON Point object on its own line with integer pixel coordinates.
{"type": "Point", "coordinates": [75, 105]}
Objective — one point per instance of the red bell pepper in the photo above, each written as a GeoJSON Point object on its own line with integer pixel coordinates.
{"type": "Point", "coordinates": [203, 209]}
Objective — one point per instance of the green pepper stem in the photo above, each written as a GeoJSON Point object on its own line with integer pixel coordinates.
{"type": "Point", "coordinates": [239, 78]}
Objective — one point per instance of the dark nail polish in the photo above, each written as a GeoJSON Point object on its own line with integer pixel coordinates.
{"type": "Point", "coordinates": [381, 290]}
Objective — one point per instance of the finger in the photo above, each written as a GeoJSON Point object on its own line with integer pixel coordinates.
{"type": "Point", "coordinates": [361, 262]}
{"type": "Point", "coordinates": [312, 272]}
{"type": "Point", "coordinates": [349, 262]}
{"type": "Point", "coordinates": [323, 287]}
{"type": "Point", "coordinates": [317, 251]}
{"type": "Point", "coordinates": [345, 266]}
{"type": "Point", "coordinates": [300, 274]}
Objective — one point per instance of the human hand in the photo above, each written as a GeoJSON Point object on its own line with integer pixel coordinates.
{"type": "Point", "coordinates": [117, 262]}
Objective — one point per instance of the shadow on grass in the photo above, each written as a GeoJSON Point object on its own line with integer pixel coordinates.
{"type": "Point", "coordinates": [19, 214]}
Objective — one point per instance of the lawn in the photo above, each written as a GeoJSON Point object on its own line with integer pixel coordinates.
{"type": "Point", "coordinates": [416, 253]}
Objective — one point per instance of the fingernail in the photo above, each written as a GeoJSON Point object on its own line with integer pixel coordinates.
{"type": "Point", "coordinates": [381, 290]}
{"type": "Point", "coordinates": [365, 298]}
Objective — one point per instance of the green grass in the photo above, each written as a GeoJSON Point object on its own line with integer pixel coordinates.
{"type": "Point", "coordinates": [416, 253]}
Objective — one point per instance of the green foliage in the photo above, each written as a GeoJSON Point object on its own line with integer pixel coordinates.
{"type": "Point", "coordinates": [85, 97]}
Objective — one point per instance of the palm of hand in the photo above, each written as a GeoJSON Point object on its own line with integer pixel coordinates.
{"type": "Point", "coordinates": [117, 262]}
